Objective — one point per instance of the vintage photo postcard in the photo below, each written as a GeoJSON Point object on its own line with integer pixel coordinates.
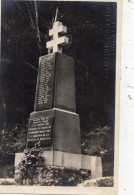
{"type": "Point", "coordinates": [59, 96]}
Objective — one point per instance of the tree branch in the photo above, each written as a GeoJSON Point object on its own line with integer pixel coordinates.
{"type": "Point", "coordinates": [44, 23]}
{"type": "Point", "coordinates": [20, 8]}
{"type": "Point", "coordinates": [30, 65]}
{"type": "Point", "coordinates": [62, 16]}
{"type": "Point", "coordinates": [30, 16]}
{"type": "Point", "coordinates": [56, 14]}
{"type": "Point", "coordinates": [37, 28]}
{"type": "Point", "coordinates": [87, 70]}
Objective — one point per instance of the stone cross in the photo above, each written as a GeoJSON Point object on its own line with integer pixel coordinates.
{"type": "Point", "coordinates": [55, 45]}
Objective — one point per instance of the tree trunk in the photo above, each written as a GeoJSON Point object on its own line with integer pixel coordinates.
{"type": "Point", "coordinates": [37, 28]}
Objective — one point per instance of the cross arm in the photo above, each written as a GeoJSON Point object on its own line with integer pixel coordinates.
{"type": "Point", "coordinates": [61, 41]}
{"type": "Point", "coordinates": [61, 30]}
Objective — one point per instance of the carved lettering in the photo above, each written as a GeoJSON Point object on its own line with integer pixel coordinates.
{"type": "Point", "coordinates": [40, 129]}
{"type": "Point", "coordinates": [45, 86]}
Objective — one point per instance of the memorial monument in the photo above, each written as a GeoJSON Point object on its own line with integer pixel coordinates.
{"type": "Point", "coordinates": [54, 123]}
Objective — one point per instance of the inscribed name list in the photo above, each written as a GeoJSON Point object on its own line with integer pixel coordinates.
{"type": "Point", "coordinates": [46, 83]}
{"type": "Point", "coordinates": [40, 130]}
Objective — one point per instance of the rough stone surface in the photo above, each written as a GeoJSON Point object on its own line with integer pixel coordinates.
{"type": "Point", "coordinates": [100, 182]}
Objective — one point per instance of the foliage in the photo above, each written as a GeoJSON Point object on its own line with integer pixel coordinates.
{"type": "Point", "coordinates": [55, 176]}
{"type": "Point", "coordinates": [29, 164]}
{"type": "Point", "coordinates": [99, 141]}
{"type": "Point", "coordinates": [64, 177]}
{"type": "Point", "coordinates": [14, 140]}
{"type": "Point", "coordinates": [72, 178]}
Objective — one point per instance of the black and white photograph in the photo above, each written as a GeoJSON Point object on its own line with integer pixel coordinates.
{"type": "Point", "coordinates": [58, 80]}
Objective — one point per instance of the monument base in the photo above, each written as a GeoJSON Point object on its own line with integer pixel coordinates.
{"type": "Point", "coordinates": [68, 161]}
{"type": "Point", "coordinates": [56, 129]}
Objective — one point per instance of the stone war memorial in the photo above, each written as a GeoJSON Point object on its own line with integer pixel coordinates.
{"type": "Point", "coordinates": [54, 125]}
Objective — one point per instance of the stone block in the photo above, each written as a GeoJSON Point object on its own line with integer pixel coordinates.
{"type": "Point", "coordinates": [48, 156]}
{"type": "Point", "coordinates": [99, 172]}
{"type": "Point", "coordinates": [86, 162]}
{"type": "Point", "coordinates": [18, 158]}
{"type": "Point", "coordinates": [58, 158]}
{"type": "Point", "coordinates": [67, 132]}
{"type": "Point", "coordinates": [71, 160]}
{"type": "Point", "coordinates": [96, 167]}
{"type": "Point", "coordinates": [93, 166]}
{"type": "Point", "coordinates": [64, 83]}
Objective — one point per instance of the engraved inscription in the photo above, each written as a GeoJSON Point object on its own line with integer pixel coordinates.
{"type": "Point", "coordinates": [40, 130]}
{"type": "Point", "coordinates": [46, 79]}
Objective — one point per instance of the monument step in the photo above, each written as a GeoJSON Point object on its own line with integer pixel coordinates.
{"type": "Point", "coordinates": [68, 160]}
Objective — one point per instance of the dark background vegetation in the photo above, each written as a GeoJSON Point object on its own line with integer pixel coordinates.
{"type": "Point", "coordinates": [21, 47]}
